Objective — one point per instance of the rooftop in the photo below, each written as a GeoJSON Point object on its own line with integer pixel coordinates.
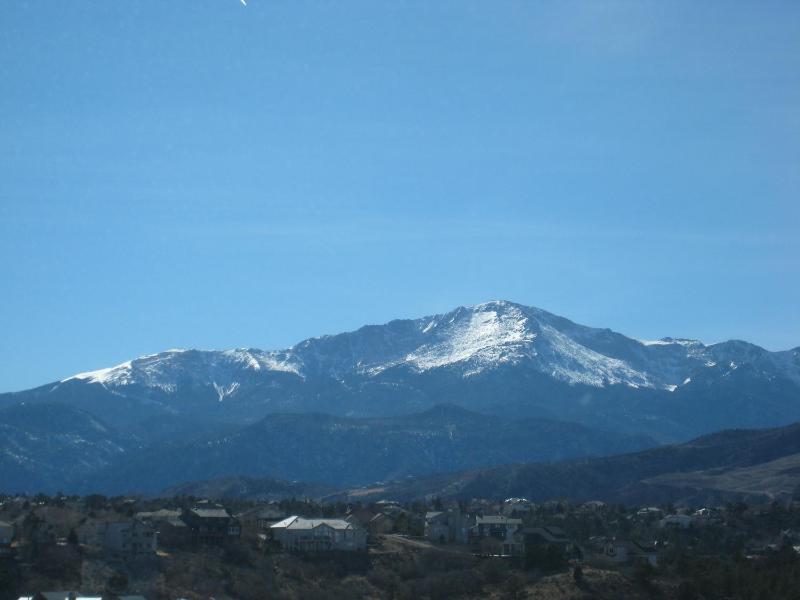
{"type": "Point", "coordinates": [296, 522]}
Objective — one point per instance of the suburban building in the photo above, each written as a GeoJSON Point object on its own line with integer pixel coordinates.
{"type": "Point", "coordinates": [516, 506]}
{"type": "Point", "coordinates": [211, 524]}
{"type": "Point", "coordinates": [677, 521]}
{"type": "Point", "coordinates": [501, 529]}
{"type": "Point", "coordinates": [447, 526]}
{"type": "Point", "coordinates": [631, 552]}
{"type": "Point", "coordinates": [297, 534]}
{"type": "Point", "coordinates": [130, 538]}
{"type": "Point", "coordinates": [381, 523]}
{"type": "Point", "coordinates": [360, 515]}
{"type": "Point", "coordinates": [171, 529]}
{"type": "Point", "coordinates": [260, 518]}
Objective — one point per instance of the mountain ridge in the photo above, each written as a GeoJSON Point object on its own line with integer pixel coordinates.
{"type": "Point", "coordinates": [498, 358]}
{"type": "Point", "coordinates": [482, 335]}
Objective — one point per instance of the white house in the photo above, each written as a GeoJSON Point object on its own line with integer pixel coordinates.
{"type": "Point", "coordinates": [130, 538]}
{"type": "Point", "coordinates": [318, 535]}
{"type": "Point", "coordinates": [504, 529]}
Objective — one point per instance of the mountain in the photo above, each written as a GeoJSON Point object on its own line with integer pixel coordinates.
{"type": "Point", "coordinates": [340, 451]}
{"type": "Point", "coordinates": [47, 447]}
{"type": "Point", "coordinates": [499, 358]}
{"type": "Point", "coordinates": [724, 466]}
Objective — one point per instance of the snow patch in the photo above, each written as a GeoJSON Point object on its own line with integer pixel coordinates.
{"type": "Point", "coordinates": [226, 391]}
{"type": "Point", "coordinates": [119, 375]}
{"type": "Point", "coordinates": [485, 336]}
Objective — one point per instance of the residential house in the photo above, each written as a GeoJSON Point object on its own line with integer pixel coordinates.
{"type": "Point", "coordinates": [631, 552]}
{"type": "Point", "coordinates": [677, 521]}
{"type": "Point", "coordinates": [447, 526]}
{"type": "Point", "coordinates": [500, 528]}
{"type": "Point", "coordinates": [171, 529]}
{"type": "Point", "coordinates": [592, 506]}
{"type": "Point", "coordinates": [297, 534]}
{"type": "Point", "coordinates": [650, 512]}
{"type": "Point", "coordinates": [388, 506]}
{"type": "Point", "coordinates": [129, 539]}
{"type": "Point", "coordinates": [211, 524]}
{"type": "Point", "coordinates": [381, 523]}
{"type": "Point", "coordinates": [514, 507]}
{"type": "Point", "coordinates": [260, 518]}
{"type": "Point", "coordinates": [360, 515]}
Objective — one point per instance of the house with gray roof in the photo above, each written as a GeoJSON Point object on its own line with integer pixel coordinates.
{"type": "Point", "coordinates": [211, 524]}
{"type": "Point", "coordinates": [447, 526]}
{"type": "Point", "coordinates": [296, 534]}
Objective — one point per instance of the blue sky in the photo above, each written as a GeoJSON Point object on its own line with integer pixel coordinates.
{"type": "Point", "coordinates": [205, 174]}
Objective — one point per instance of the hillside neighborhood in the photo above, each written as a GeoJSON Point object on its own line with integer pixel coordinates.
{"type": "Point", "coordinates": [132, 548]}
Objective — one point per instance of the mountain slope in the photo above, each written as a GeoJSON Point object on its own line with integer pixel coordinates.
{"type": "Point", "coordinates": [249, 488]}
{"type": "Point", "coordinates": [655, 475]}
{"type": "Point", "coordinates": [46, 447]}
{"type": "Point", "coordinates": [344, 451]}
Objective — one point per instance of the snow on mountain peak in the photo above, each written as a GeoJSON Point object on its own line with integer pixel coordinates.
{"type": "Point", "coordinates": [480, 334]}
{"type": "Point", "coordinates": [469, 340]}
{"type": "Point", "coordinates": [117, 375]}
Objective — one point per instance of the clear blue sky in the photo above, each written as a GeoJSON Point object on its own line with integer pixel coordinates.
{"type": "Point", "coordinates": [207, 174]}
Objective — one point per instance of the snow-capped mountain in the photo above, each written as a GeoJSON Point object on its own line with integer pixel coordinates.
{"type": "Point", "coordinates": [492, 357]}
{"type": "Point", "coordinates": [470, 340]}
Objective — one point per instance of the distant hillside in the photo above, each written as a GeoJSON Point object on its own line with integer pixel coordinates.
{"type": "Point", "coordinates": [249, 488]}
{"type": "Point", "coordinates": [48, 447]}
{"type": "Point", "coordinates": [730, 464]}
{"type": "Point", "coordinates": [341, 451]}
{"type": "Point", "coordinates": [765, 481]}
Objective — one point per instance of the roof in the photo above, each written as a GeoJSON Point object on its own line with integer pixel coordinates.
{"type": "Point", "coordinates": [297, 523]}
{"type": "Point", "coordinates": [636, 547]}
{"type": "Point", "coordinates": [497, 520]}
{"type": "Point", "coordinates": [163, 513]}
{"type": "Point", "coordinates": [65, 595]}
{"type": "Point", "coordinates": [211, 513]}
{"type": "Point", "coordinates": [380, 516]}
